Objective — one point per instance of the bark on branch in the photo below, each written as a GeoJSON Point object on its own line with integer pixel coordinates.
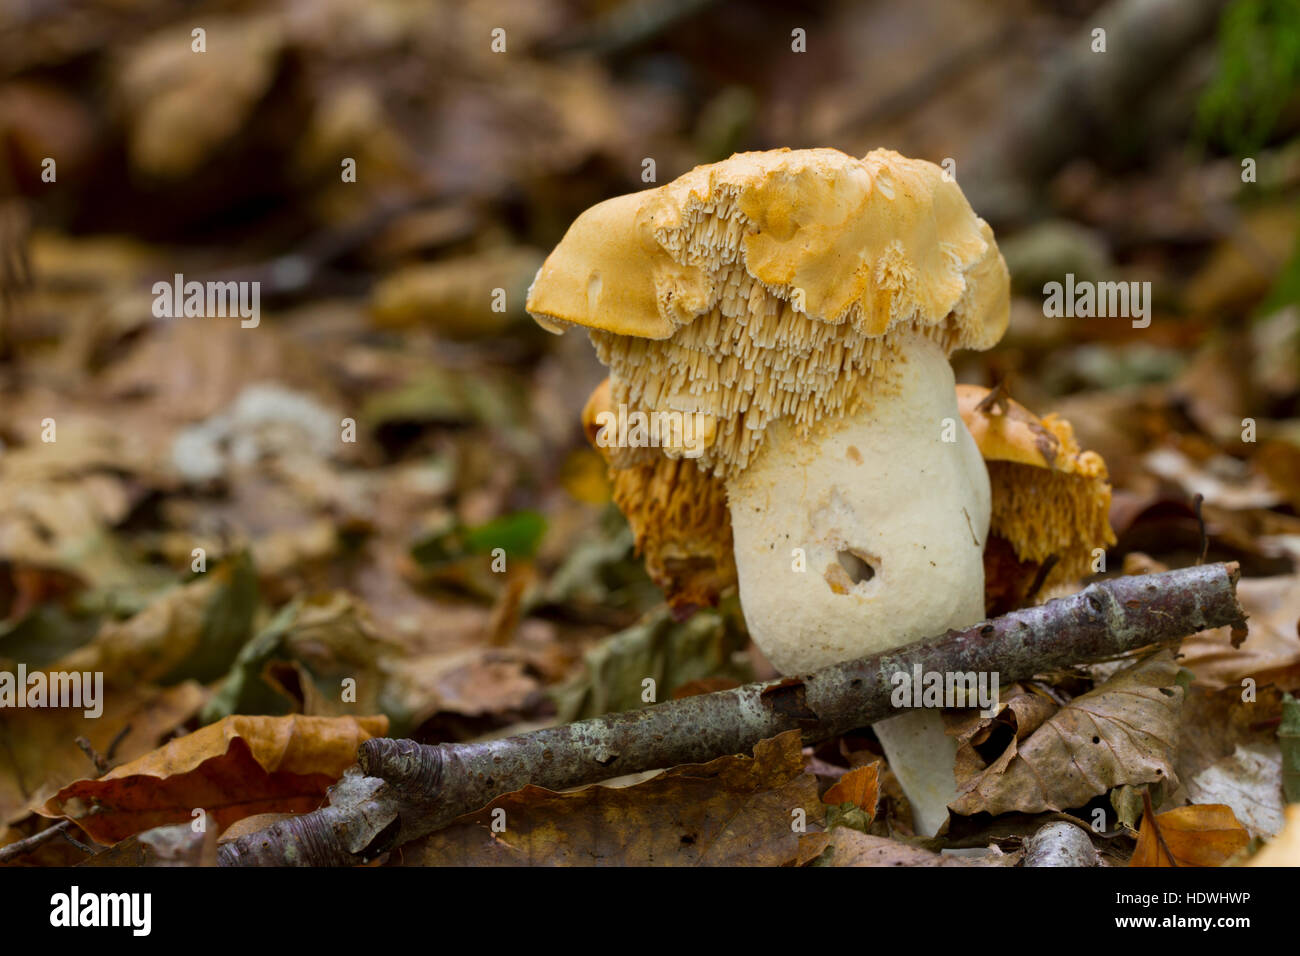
{"type": "Point", "coordinates": [402, 790]}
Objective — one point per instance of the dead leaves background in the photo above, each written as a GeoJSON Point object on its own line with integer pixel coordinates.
{"type": "Point", "coordinates": [329, 562]}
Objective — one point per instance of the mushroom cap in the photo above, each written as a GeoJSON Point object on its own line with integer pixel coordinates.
{"type": "Point", "coordinates": [1007, 431]}
{"type": "Point", "coordinates": [774, 285]}
{"type": "Point", "coordinates": [1049, 496]}
{"type": "Point", "coordinates": [875, 241]}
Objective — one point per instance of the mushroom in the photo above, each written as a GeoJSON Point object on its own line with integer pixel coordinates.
{"type": "Point", "coordinates": [801, 307]}
{"type": "Point", "coordinates": [678, 515]}
{"type": "Point", "coordinates": [1051, 499]}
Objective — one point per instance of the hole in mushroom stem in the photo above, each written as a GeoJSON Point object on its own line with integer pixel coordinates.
{"type": "Point", "coordinates": [856, 566]}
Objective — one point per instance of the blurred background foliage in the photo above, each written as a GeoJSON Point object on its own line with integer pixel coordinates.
{"type": "Point", "coordinates": [200, 532]}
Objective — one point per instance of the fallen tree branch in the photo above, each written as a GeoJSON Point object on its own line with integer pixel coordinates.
{"type": "Point", "coordinates": [403, 790]}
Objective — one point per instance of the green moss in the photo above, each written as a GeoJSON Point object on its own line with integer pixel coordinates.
{"type": "Point", "coordinates": [1257, 75]}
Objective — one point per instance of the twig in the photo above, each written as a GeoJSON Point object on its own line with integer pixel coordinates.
{"type": "Point", "coordinates": [84, 848]}
{"type": "Point", "coordinates": [995, 402]}
{"type": "Point", "coordinates": [27, 845]}
{"type": "Point", "coordinates": [115, 743]}
{"type": "Point", "coordinates": [403, 790]}
{"type": "Point", "coordinates": [93, 755]}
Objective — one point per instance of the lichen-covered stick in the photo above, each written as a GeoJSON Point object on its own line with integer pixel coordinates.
{"type": "Point", "coordinates": [404, 789]}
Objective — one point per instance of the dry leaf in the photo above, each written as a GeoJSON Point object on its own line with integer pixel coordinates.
{"type": "Point", "coordinates": [1271, 652]}
{"type": "Point", "coordinates": [194, 630]}
{"type": "Point", "coordinates": [1122, 732]}
{"type": "Point", "coordinates": [327, 638]}
{"type": "Point", "coordinates": [447, 295]}
{"type": "Point", "coordinates": [1246, 781]}
{"type": "Point", "coordinates": [181, 106]}
{"type": "Point", "coordinates": [860, 787]}
{"type": "Point", "coordinates": [1021, 714]}
{"type": "Point", "coordinates": [735, 810]}
{"type": "Point", "coordinates": [1199, 835]}
{"type": "Point", "coordinates": [39, 752]}
{"type": "Point", "coordinates": [176, 845]}
{"type": "Point", "coordinates": [1228, 753]}
{"type": "Point", "coordinates": [231, 769]}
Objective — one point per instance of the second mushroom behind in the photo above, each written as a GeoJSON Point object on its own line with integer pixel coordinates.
{"type": "Point", "coordinates": [782, 321]}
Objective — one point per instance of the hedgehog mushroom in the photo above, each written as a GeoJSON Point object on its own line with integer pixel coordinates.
{"type": "Point", "coordinates": [1051, 499]}
{"type": "Point", "coordinates": [801, 306]}
{"type": "Point", "coordinates": [678, 516]}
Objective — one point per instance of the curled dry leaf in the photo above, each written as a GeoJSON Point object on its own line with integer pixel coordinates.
{"type": "Point", "coordinates": [1199, 835]}
{"type": "Point", "coordinates": [733, 811]}
{"type": "Point", "coordinates": [1022, 714]}
{"type": "Point", "coordinates": [38, 749]}
{"type": "Point", "coordinates": [1122, 732]}
{"type": "Point", "coordinates": [852, 799]}
{"type": "Point", "coordinates": [231, 769]}
{"type": "Point", "coordinates": [860, 787]}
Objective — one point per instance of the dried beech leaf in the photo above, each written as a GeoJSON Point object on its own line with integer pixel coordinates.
{"type": "Point", "coordinates": [39, 752]}
{"type": "Point", "coordinates": [231, 769]}
{"type": "Point", "coordinates": [860, 787]}
{"type": "Point", "coordinates": [1022, 714]}
{"type": "Point", "coordinates": [733, 811]}
{"type": "Point", "coordinates": [1199, 835]}
{"type": "Point", "coordinates": [1124, 731]}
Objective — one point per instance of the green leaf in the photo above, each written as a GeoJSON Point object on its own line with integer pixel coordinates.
{"type": "Point", "coordinates": [518, 534]}
{"type": "Point", "coordinates": [243, 691]}
{"type": "Point", "coordinates": [848, 815]}
{"type": "Point", "coordinates": [669, 652]}
{"type": "Point", "coordinates": [227, 622]}
{"type": "Point", "coordinates": [44, 634]}
{"type": "Point", "coordinates": [1256, 76]}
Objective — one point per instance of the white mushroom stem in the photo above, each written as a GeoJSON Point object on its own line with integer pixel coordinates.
{"type": "Point", "coordinates": [867, 535]}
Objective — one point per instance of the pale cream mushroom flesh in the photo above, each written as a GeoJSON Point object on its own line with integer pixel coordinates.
{"type": "Point", "coordinates": [801, 307]}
